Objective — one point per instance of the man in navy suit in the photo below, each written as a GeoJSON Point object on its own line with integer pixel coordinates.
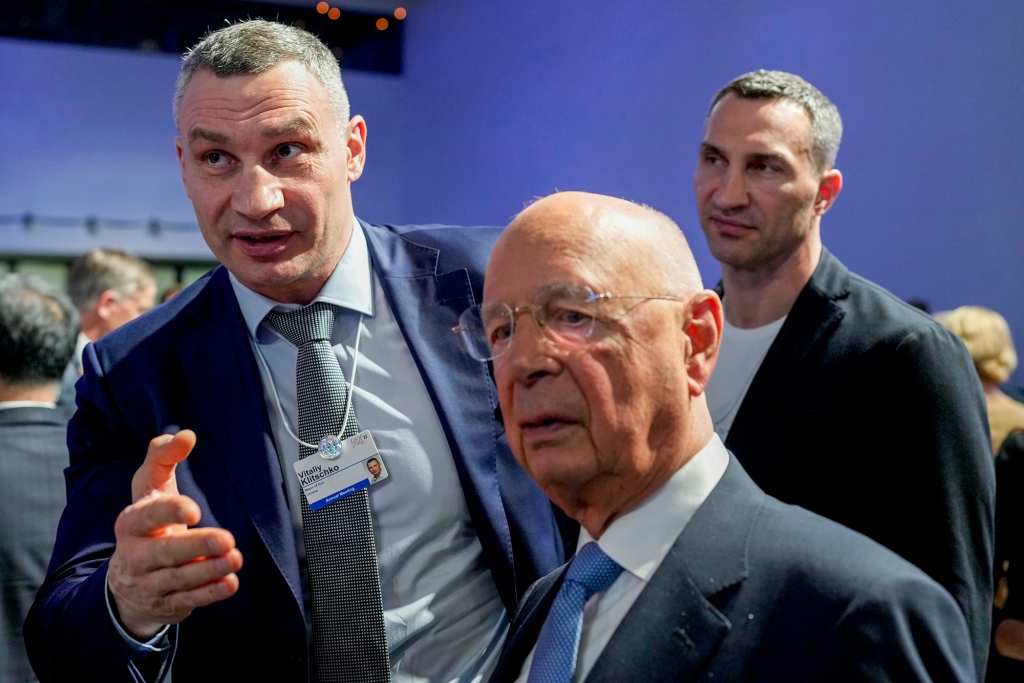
{"type": "Point", "coordinates": [188, 544]}
{"type": "Point", "coordinates": [685, 569]}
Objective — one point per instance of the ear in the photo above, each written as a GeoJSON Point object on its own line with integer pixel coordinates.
{"type": "Point", "coordinates": [828, 189]}
{"type": "Point", "coordinates": [105, 304]}
{"type": "Point", "coordinates": [181, 163]}
{"type": "Point", "coordinates": [703, 328]}
{"type": "Point", "coordinates": [356, 147]}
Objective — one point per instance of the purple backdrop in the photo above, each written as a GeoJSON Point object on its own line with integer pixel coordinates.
{"type": "Point", "coordinates": [505, 101]}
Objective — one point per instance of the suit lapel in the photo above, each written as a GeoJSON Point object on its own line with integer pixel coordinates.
{"type": "Point", "coordinates": [673, 629]}
{"type": "Point", "coordinates": [426, 305]}
{"type": "Point", "coordinates": [526, 625]}
{"type": "Point", "coordinates": [810, 321]}
{"type": "Point", "coordinates": [221, 372]}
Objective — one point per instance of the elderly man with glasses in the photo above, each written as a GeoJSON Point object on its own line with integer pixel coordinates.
{"type": "Point", "coordinates": [602, 340]}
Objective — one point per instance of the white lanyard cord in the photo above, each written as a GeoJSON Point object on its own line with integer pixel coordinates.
{"type": "Point", "coordinates": [351, 384]}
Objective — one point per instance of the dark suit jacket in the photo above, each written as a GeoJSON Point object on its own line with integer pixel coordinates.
{"type": "Point", "coordinates": [756, 590]}
{"type": "Point", "coordinates": [868, 412]}
{"type": "Point", "coordinates": [33, 455]}
{"type": "Point", "coordinates": [189, 363]}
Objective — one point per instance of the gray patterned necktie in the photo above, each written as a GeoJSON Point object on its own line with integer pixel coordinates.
{"type": "Point", "coordinates": [349, 642]}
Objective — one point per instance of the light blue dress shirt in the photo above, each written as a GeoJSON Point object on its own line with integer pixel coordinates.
{"type": "Point", "coordinates": [443, 615]}
{"type": "Point", "coordinates": [444, 618]}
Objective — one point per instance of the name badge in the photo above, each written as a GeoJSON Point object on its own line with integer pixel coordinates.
{"type": "Point", "coordinates": [358, 466]}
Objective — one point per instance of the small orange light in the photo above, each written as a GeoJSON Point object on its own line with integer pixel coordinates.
{"type": "Point", "coordinates": [322, 7]}
{"type": "Point", "coordinates": [400, 13]}
{"type": "Point", "coordinates": [334, 13]}
{"type": "Point", "coordinates": [382, 24]}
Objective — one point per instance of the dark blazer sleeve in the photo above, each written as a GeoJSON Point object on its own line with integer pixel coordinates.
{"type": "Point", "coordinates": [68, 633]}
{"type": "Point", "coordinates": [908, 630]}
{"type": "Point", "coordinates": [942, 428]}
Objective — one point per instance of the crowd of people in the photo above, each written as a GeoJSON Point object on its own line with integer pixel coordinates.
{"type": "Point", "coordinates": [538, 453]}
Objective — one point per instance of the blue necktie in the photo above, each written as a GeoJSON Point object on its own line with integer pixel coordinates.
{"type": "Point", "coordinates": [554, 660]}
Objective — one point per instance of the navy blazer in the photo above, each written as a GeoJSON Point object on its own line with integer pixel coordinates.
{"type": "Point", "coordinates": [757, 590]}
{"type": "Point", "coordinates": [189, 363]}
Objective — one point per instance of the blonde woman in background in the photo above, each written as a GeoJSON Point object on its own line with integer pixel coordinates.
{"type": "Point", "coordinates": [988, 340]}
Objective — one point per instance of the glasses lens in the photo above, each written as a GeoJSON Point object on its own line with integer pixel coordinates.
{"type": "Point", "coordinates": [568, 313]}
{"type": "Point", "coordinates": [472, 334]}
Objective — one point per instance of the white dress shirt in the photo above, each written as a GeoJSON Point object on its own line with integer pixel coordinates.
{"type": "Point", "coordinates": [638, 542]}
{"type": "Point", "coordinates": [442, 612]}
{"type": "Point", "coordinates": [740, 355]}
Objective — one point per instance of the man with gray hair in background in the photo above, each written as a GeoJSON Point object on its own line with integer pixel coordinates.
{"type": "Point", "coordinates": [109, 287]}
{"type": "Point", "coordinates": [231, 423]}
{"type": "Point", "coordinates": [834, 394]}
{"type": "Point", "coordinates": [38, 326]}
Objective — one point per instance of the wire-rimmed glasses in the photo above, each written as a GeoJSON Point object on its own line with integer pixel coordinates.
{"type": "Point", "coordinates": [565, 315]}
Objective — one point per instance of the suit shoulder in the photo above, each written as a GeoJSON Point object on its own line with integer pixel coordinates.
{"type": "Point", "coordinates": [150, 330]}
{"type": "Point", "coordinates": [460, 246]}
{"type": "Point", "coordinates": [831, 559]}
{"type": "Point", "coordinates": [874, 317]}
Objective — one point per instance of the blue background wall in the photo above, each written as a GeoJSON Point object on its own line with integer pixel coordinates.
{"type": "Point", "coordinates": [504, 101]}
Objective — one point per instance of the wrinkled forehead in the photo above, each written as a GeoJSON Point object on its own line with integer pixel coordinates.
{"type": "Point", "coordinates": [541, 250]}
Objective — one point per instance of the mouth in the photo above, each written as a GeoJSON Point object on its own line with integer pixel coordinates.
{"type": "Point", "coordinates": [262, 244]}
{"type": "Point", "coordinates": [731, 227]}
{"type": "Point", "coordinates": [544, 426]}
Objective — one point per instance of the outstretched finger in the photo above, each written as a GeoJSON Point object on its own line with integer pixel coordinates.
{"type": "Point", "coordinates": [156, 475]}
{"type": "Point", "coordinates": [150, 516]}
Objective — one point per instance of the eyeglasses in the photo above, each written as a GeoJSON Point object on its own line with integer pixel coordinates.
{"type": "Point", "coordinates": [565, 314]}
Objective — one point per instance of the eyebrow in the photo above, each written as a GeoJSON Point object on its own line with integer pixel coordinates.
{"type": "Point", "coordinates": [197, 133]}
{"type": "Point", "coordinates": [707, 147]}
{"type": "Point", "coordinates": [294, 127]}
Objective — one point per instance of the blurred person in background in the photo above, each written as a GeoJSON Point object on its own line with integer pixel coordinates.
{"type": "Point", "coordinates": [987, 337]}
{"type": "Point", "coordinates": [38, 326]}
{"type": "Point", "coordinates": [1007, 662]}
{"type": "Point", "coordinates": [109, 288]}
{"type": "Point", "coordinates": [815, 357]}
{"type": "Point", "coordinates": [171, 292]}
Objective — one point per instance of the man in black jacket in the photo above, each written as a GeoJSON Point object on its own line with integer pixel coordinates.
{"type": "Point", "coordinates": [835, 395]}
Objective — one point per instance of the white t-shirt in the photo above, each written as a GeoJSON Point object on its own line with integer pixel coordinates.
{"type": "Point", "coordinates": [738, 361]}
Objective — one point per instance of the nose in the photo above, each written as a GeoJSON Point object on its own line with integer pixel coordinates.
{"type": "Point", "coordinates": [530, 355]}
{"type": "Point", "coordinates": [731, 192]}
{"type": "Point", "coordinates": [258, 195]}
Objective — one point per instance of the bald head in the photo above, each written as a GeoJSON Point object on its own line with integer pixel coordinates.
{"type": "Point", "coordinates": [642, 246]}
{"type": "Point", "coordinates": [602, 396]}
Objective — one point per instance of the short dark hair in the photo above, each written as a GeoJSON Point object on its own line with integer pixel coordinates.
{"type": "Point", "coordinates": [826, 124]}
{"type": "Point", "coordinates": [372, 460]}
{"type": "Point", "coordinates": [100, 270]}
{"type": "Point", "coordinates": [38, 330]}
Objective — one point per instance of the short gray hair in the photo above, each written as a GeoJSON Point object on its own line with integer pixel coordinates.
{"type": "Point", "coordinates": [102, 270]}
{"type": "Point", "coordinates": [254, 46]}
{"type": "Point", "coordinates": [38, 330]}
{"type": "Point", "coordinates": [826, 125]}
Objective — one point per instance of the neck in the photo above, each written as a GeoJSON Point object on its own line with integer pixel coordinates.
{"type": "Point", "coordinates": [44, 393]}
{"type": "Point", "coordinates": [607, 500]}
{"type": "Point", "coordinates": [93, 326]}
{"type": "Point", "coordinates": [761, 295]}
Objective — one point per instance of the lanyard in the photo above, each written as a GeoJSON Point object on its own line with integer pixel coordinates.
{"type": "Point", "coordinates": [326, 447]}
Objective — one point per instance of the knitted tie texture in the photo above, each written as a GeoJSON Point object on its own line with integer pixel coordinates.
{"type": "Point", "coordinates": [554, 660]}
{"type": "Point", "coordinates": [349, 642]}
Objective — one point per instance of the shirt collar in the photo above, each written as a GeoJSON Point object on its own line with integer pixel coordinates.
{"type": "Point", "coordinates": [5, 405]}
{"type": "Point", "coordinates": [639, 540]}
{"type": "Point", "coordinates": [349, 286]}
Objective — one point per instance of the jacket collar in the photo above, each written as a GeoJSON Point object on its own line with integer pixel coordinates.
{"type": "Point", "coordinates": [813, 316]}
{"type": "Point", "coordinates": [427, 305]}
{"type": "Point", "coordinates": [674, 626]}
{"type": "Point", "coordinates": [32, 415]}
